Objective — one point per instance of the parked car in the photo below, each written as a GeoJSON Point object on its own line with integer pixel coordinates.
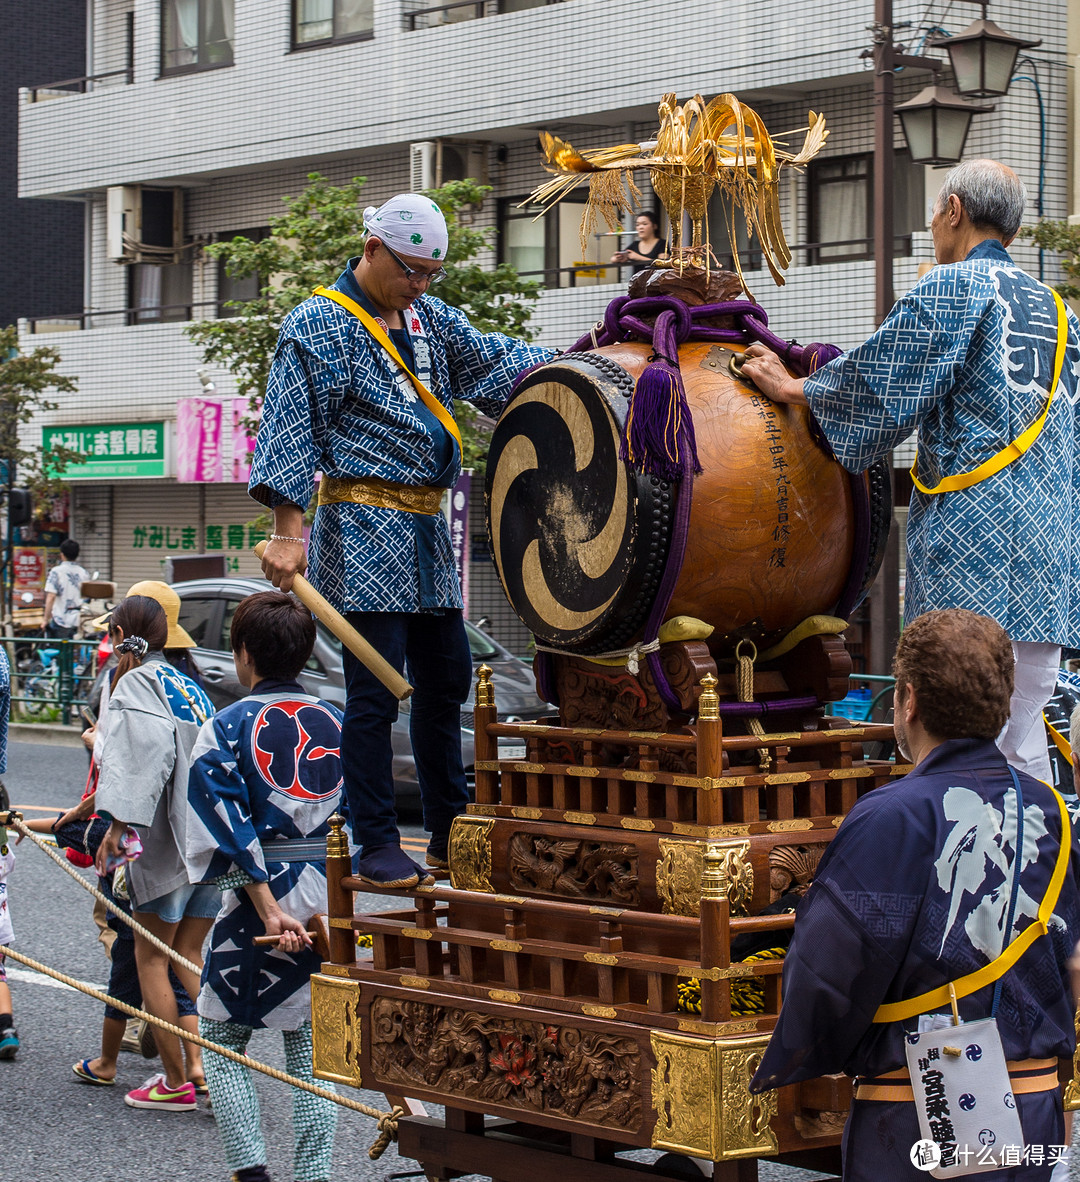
{"type": "Point", "coordinates": [206, 611]}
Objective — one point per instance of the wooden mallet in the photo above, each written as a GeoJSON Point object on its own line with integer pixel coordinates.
{"type": "Point", "coordinates": [347, 634]}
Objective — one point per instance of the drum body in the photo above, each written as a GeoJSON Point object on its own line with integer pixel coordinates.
{"type": "Point", "coordinates": [581, 542]}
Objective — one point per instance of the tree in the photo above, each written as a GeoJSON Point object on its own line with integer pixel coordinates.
{"type": "Point", "coordinates": [308, 245]}
{"type": "Point", "coordinates": [1063, 239]}
{"type": "Point", "coordinates": [25, 379]}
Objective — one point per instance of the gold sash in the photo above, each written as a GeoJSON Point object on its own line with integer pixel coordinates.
{"type": "Point", "coordinates": [383, 494]}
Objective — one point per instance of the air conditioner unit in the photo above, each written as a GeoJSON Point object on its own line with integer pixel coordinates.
{"type": "Point", "coordinates": [422, 161]}
{"type": "Point", "coordinates": [434, 162]}
{"type": "Point", "coordinates": [144, 224]}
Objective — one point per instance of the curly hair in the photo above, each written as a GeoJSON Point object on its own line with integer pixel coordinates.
{"type": "Point", "coordinates": [961, 667]}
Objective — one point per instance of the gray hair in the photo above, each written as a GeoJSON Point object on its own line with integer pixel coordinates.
{"type": "Point", "coordinates": [991, 194]}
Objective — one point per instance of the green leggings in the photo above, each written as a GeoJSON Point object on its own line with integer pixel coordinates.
{"type": "Point", "coordinates": [236, 1106]}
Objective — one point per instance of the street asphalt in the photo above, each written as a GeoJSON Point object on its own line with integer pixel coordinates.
{"type": "Point", "coordinates": [59, 1130]}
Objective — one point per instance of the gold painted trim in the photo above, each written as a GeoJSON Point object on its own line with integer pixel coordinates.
{"type": "Point", "coordinates": [900, 769]}
{"type": "Point", "coordinates": [645, 825]}
{"type": "Point", "coordinates": [640, 776]}
{"type": "Point", "coordinates": [415, 982]}
{"type": "Point", "coordinates": [600, 1011]}
{"type": "Point", "coordinates": [335, 970]}
{"type": "Point", "coordinates": [613, 912]}
{"type": "Point", "coordinates": [717, 974]}
{"type": "Point", "coordinates": [341, 922]}
{"type": "Point", "coordinates": [850, 773]}
{"type": "Point", "coordinates": [786, 778]}
{"type": "Point", "coordinates": [796, 825]}
{"type": "Point", "coordinates": [680, 867]}
{"type": "Point", "coordinates": [483, 810]}
{"type": "Point", "coordinates": [837, 821]}
{"type": "Point", "coordinates": [601, 958]}
{"type": "Point", "coordinates": [486, 765]}
{"type": "Point", "coordinates": [527, 767]}
{"type": "Point", "coordinates": [411, 933]}
{"type": "Point", "coordinates": [505, 945]}
{"type": "Point", "coordinates": [526, 814]}
{"type": "Point", "coordinates": [588, 772]}
{"type": "Point", "coordinates": [504, 995]}
{"type": "Point", "coordinates": [579, 818]}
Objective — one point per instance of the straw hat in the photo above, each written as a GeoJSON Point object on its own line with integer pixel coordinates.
{"type": "Point", "coordinates": [162, 593]}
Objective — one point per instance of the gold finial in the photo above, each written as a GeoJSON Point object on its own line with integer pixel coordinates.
{"type": "Point", "coordinates": [337, 840]}
{"type": "Point", "coordinates": [714, 883]}
{"type": "Point", "coordinates": [709, 702]}
{"type": "Point", "coordinates": [485, 693]}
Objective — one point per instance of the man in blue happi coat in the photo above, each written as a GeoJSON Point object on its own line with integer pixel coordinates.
{"type": "Point", "coordinates": [978, 356]}
{"type": "Point", "coordinates": [362, 388]}
{"type": "Point", "coordinates": [914, 893]}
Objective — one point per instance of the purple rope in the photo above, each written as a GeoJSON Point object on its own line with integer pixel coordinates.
{"type": "Point", "coordinates": [776, 706]}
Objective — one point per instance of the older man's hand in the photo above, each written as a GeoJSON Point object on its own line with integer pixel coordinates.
{"type": "Point", "coordinates": [762, 366]}
{"type": "Point", "coordinates": [282, 562]}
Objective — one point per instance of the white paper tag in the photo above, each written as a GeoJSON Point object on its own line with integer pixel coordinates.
{"type": "Point", "coordinates": [963, 1097]}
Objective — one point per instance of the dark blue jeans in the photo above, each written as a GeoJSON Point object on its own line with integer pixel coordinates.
{"type": "Point", "coordinates": [433, 651]}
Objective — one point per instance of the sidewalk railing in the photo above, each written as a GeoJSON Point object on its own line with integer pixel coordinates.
{"type": "Point", "coordinates": [50, 678]}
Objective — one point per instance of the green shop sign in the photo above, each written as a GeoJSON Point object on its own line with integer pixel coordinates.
{"type": "Point", "coordinates": [113, 451]}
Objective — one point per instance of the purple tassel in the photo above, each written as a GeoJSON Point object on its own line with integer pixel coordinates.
{"type": "Point", "coordinates": [658, 439]}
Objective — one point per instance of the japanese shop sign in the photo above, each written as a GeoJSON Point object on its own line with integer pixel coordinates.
{"type": "Point", "coordinates": [198, 441]}
{"type": "Point", "coordinates": [114, 451]}
{"type": "Point", "coordinates": [459, 531]}
{"type": "Point", "coordinates": [186, 537]}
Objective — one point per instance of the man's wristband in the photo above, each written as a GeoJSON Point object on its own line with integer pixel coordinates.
{"type": "Point", "coordinates": [285, 538]}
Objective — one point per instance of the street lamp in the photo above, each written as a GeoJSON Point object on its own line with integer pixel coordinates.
{"type": "Point", "coordinates": [936, 124]}
{"type": "Point", "coordinates": [982, 57]}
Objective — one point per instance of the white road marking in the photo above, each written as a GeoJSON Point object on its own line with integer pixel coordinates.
{"type": "Point", "coordinates": [33, 978]}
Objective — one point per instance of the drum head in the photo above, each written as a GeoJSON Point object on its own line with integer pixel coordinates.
{"type": "Point", "coordinates": [579, 540]}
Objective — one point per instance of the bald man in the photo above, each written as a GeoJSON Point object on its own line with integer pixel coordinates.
{"type": "Point", "coordinates": [362, 389]}
{"type": "Point", "coordinates": [981, 360]}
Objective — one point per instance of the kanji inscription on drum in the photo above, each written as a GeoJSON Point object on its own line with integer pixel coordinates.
{"type": "Point", "coordinates": [766, 411]}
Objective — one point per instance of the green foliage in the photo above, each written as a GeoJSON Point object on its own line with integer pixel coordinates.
{"type": "Point", "coordinates": [1063, 239]}
{"type": "Point", "coordinates": [25, 379]}
{"type": "Point", "coordinates": [309, 244]}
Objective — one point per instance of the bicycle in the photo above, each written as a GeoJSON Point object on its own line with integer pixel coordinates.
{"type": "Point", "coordinates": [41, 686]}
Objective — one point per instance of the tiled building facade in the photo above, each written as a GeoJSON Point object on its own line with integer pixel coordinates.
{"type": "Point", "coordinates": [234, 102]}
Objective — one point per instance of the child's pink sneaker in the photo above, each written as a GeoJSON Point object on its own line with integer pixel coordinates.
{"type": "Point", "coordinates": [154, 1094]}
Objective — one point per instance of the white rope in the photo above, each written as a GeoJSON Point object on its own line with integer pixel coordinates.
{"type": "Point", "coordinates": [632, 656]}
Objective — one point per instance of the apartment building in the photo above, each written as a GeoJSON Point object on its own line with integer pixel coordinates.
{"type": "Point", "coordinates": [197, 116]}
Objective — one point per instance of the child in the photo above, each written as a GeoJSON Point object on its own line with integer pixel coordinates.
{"type": "Point", "coordinates": [264, 781]}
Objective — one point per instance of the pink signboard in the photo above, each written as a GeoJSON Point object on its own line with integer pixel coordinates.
{"type": "Point", "coordinates": [198, 441]}
{"type": "Point", "coordinates": [243, 444]}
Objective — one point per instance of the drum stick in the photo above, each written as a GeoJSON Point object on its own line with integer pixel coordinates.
{"type": "Point", "coordinates": [347, 634]}
{"type": "Point", "coordinates": [276, 939]}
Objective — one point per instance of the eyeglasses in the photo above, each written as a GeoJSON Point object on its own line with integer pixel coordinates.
{"type": "Point", "coordinates": [412, 275]}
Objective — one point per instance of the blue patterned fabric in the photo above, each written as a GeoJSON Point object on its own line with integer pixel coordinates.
{"type": "Point", "coordinates": [268, 767]}
{"type": "Point", "coordinates": [965, 358]}
{"type": "Point", "coordinates": [336, 403]}
{"type": "Point", "coordinates": [912, 893]}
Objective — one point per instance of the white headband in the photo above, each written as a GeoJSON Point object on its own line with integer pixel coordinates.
{"type": "Point", "coordinates": [410, 224]}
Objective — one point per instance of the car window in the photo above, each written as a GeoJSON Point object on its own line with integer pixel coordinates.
{"type": "Point", "coordinates": [480, 646]}
{"type": "Point", "coordinates": [197, 618]}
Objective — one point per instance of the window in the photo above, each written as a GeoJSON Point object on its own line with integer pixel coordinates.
{"type": "Point", "coordinates": [427, 14]}
{"type": "Point", "coordinates": [237, 288]}
{"type": "Point", "coordinates": [158, 292]}
{"type": "Point", "coordinates": [196, 35]}
{"type": "Point", "coordinates": [842, 210]}
{"type": "Point", "coordinates": [551, 244]}
{"type": "Point", "coordinates": [199, 618]}
{"type": "Point", "coordinates": [321, 22]}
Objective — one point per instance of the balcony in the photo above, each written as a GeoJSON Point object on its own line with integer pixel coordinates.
{"type": "Point", "coordinates": [422, 15]}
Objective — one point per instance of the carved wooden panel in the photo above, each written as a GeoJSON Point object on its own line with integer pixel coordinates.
{"type": "Point", "coordinates": [574, 868]}
{"type": "Point", "coordinates": [507, 1062]}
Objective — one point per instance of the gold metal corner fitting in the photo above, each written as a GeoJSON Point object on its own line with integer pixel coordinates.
{"type": "Point", "coordinates": [700, 1091]}
{"type": "Point", "coordinates": [335, 1029]}
{"type": "Point", "coordinates": [680, 869]}
{"type": "Point", "coordinates": [470, 853]}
